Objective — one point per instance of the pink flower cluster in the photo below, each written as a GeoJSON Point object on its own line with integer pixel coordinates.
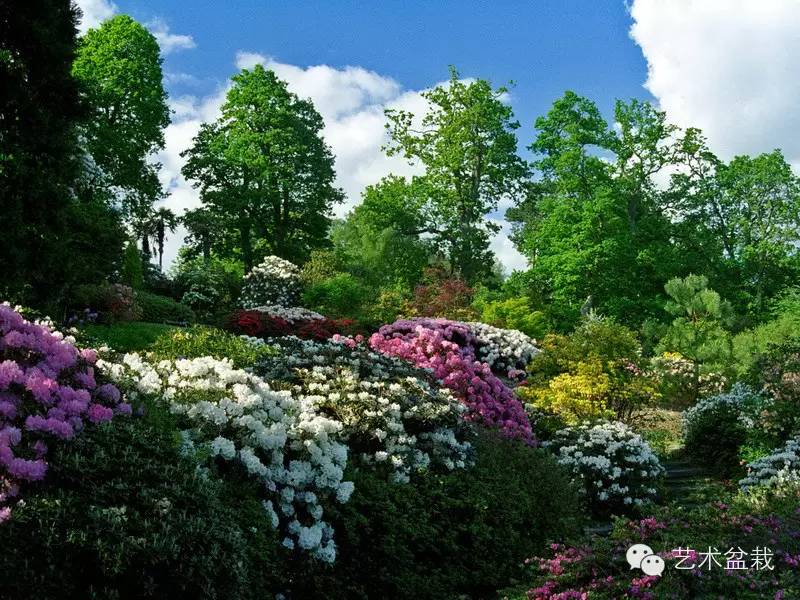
{"type": "Point", "coordinates": [448, 349]}
{"type": "Point", "coordinates": [48, 391]}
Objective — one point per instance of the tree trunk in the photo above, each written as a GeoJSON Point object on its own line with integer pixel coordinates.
{"type": "Point", "coordinates": [246, 243]}
{"type": "Point", "coordinates": [146, 245]}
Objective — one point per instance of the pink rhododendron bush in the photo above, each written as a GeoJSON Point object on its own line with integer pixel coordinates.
{"type": "Point", "coordinates": [448, 348]}
{"type": "Point", "coordinates": [49, 391]}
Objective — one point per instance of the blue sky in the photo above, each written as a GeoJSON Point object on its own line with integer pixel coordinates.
{"type": "Point", "coordinates": [545, 47]}
{"type": "Point", "coordinates": [726, 66]}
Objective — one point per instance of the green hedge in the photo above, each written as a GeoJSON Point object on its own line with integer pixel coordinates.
{"type": "Point", "coordinates": [122, 514]}
{"type": "Point", "coordinates": [160, 309]}
{"type": "Point", "coordinates": [446, 536]}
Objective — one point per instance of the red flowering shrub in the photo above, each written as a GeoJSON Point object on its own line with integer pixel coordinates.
{"type": "Point", "coordinates": [441, 295]}
{"type": "Point", "coordinates": [259, 324]}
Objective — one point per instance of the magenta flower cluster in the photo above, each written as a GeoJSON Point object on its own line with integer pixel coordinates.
{"type": "Point", "coordinates": [48, 392]}
{"type": "Point", "coordinates": [448, 348]}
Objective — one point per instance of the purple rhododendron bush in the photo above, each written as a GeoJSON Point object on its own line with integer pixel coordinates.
{"type": "Point", "coordinates": [49, 392]}
{"type": "Point", "coordinates": [448, 348]}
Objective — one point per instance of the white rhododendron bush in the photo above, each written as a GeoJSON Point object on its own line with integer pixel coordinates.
{"type": "Point", "coordinates": [618, 468]}
{"type": "Point", "coordinates": [506, 351]}
{"type": "Point", "coordinates": [396, 417]}
{"type": "Point", "coordinates": [776, 469]}
{"type": "Point", "coordinates": [297, 423]}
{"type": "Point", "coordinates": [273, 282]}
{"type": "Point", "coordinates": [291, 314]}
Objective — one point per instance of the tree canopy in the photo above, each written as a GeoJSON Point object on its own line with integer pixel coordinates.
{"type": "Point", "coordinates": [467, 144]}
{"type": "Point", "coordinates": [264, 170]}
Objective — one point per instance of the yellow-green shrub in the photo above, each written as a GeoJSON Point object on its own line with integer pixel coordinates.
{"type": "Point", "coordinates": [515, 313]}
{"type": "Point", "coordinates": [595, 372]}
{"type": "Point", "coordinates": [573, 397]}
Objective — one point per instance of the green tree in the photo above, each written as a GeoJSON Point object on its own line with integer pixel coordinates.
{"type": "Point", "coordinates": [264, 170]}
{"type": "Point", "coordinates": [39, 108]}
{"type": "Point", "coordinates": [699, 328]}
{"type": "Point", "coordinates": [467, 144]}
{"type": "Point", "coordinates": [164, 220]}
{"type": "Point", "coordinates": [593, 225]}
{"type": "Point", "coordinates": [380, 242]}
{"type": "Point", "coordinates": [202, 232]}
{"type": "Point", "coordinates": [132, 267]}
{"type": "Point", "coordinates": [119, 68]}
{"type": "Point", "coordinates": [741, 220]}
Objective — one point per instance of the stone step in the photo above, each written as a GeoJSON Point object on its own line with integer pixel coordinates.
{"type": "Point", "coordinates": [685, 472]}
{"type": "Point", "coordinates": [601, 529]}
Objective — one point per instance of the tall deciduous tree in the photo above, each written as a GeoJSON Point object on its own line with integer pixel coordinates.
{"type": "Point", "coordinates": [264, 169]}
{"type": "Point", "coordinates": [467, 144]}
{"type": "Point", "coordinates": [593, 225]}
{"type": "Point", "coordinates": [380, 242]}
{"type": "Point", "coordinates": [741, 220]}
{"type": "Point", "coordinates": [53, 235]}
{"type": "Point", "coordinates": [119, 68]}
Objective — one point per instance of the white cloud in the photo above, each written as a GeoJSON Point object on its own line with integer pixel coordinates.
{"type": "Point", "coordinates": [97, 11]}
{"type": "Point", "coordinates": [94, 13]}
{"type": "Point", "coordinates": [168, 41]}
{"type": "Point", "coordinates": [727, 67]}
{"type": "Point", "coordinates": [351, 101]}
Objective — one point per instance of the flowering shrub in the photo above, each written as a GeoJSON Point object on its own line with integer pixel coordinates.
{"type": "Point", "coordinates": [696, 546]}
{"type": "Point", "coordinates": [779, 372]}
{"type": "Point", "coordinates": [595, 372]}
{"type": "Point", "coordinates": [274, 281]}
{"type": "Point", "coordinates": [574, 397]}
{"type": "Point", "coordinates": [236, 416]}
{"type": "Point", "coordinates": [618, 468]}
{"type": "Point", "coordinates": [83, 317]}
{"type": "Point", "coordinates": [782, 466]}
{"type": "Point", "coordinates": [295, 441]}
{"type": "Point", "coordinates": [49, 391]}
{"type": "Point", "coordinates": [112, 302]}
{"type": "Point", "coordinates": [290, 314]}
{"type": "Point", "coordinates": [448, 349]}
{"type": "Point", "coordinates": [506, 351]}
{"type": "Point", "coordinates": [718, 427]}
{"type": "Point", "coordinates": [393, 415]}
{"type": "Point", "coordinates": [256, 323]}
{"type": "Point", "coordinates": [675, 376]}
{"type": "Point", "coordinates": [208, 286]}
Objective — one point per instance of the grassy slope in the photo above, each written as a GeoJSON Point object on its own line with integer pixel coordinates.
{"type": "Point", "coordinates": [127, 337]}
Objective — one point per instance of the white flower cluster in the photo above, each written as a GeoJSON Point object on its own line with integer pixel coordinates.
{"type": "Point", "coordinates": [617, 467]}
{"type": "Point", "coordinates": [274, 282]}
{"type": "Point", "coordinates": [292, 314]}
{"type": "Point", "coordinates": [294, 450]}
{"type": "Point", "coordinates": [504, 350]}
{"type": "Point", "coordinates": [780, 467]}
{"type": "Point", "coordinates": [294, 426]}
{"type": "Point", "coordinates": [741, 399]}
{"type": "Point", "coordinates": [394, 416]}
